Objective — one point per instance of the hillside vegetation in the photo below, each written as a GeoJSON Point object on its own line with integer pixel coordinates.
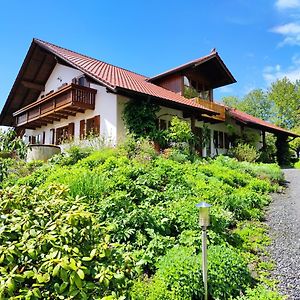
{"type": "Point", "coordinates": [122, 224]}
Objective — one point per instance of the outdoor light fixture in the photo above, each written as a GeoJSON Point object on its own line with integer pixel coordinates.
{"type": "Point", "coordinates": [204, 222]}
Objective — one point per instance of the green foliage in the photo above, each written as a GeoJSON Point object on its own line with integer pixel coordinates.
{"type": "Point", "coordinates": [13, 169]}
{"type": "Point", "coordinates": [179, 272]}
{"type": "Point", "coordinates": [228, 272]}
{"type": "Point", "coordinates": [285, 95]}
{"type": "Point", "coordinates": [297, 165]}
{"type": "Point", "coordinates": [11, 143]}
{"type": "Point", "coordinates": [124, 221]}
{"type": "Point", "coordinates": [261, 293]}
{"type": "Point", "coordinates": [140, 117]}
{"type": "Point", "coordinates": [180, 131]}
{"type": "Point", "coordinates": [177, 277]}
{"type": "Point", "coordinates": [295, 144]}
{"type": "Point", "coordinates": [268, 154]}
{"type": "Point", "coordinates": [52, 247]}
{"type": "Point", "coordinates": [244, 152]}
{"type": "Point", "coordinates": [190, 92]}
{"type": "Point", "coordinates": [252, 236]}
{"type": "Point", "coordinates": [279, 104]}
{"type": "Point", "coordinates": [72, 156]}
{"type": "Point", "coordinates": [3, 169]}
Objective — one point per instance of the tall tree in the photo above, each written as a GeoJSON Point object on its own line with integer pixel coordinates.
{"type": "Point", "coordinates": [286, 97]}
{"type": "Point", "coordinates": [255, 103]}
{"type": "Point", "coordinates": [232, 101]}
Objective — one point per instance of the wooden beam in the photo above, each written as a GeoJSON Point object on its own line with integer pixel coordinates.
{"type": "Point", "coordinates": [32, 85]}
{"type": "Point", "coordinates": [68, 112]}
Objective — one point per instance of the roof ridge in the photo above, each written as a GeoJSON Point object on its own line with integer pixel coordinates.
{"type": "Point", "coordinates": [90, 57]}
{"type": "Point", "coordinates": [211, 54]}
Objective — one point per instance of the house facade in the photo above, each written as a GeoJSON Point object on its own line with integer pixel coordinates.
{"type": "Point", "coordinates": [60, 95]}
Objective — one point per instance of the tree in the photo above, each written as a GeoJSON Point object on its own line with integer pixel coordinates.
{"type": "Point", "coordinates": [255, 103]}
{"type": "Point", "coordinates": [232, 101]}
{"type": "Point", "coordinates": [286, 98]}
{"type": "Point", "coordinates": [295, 144]}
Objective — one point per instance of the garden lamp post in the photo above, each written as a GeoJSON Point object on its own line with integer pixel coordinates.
{"type": "Point", "coordinates": [204, 222]}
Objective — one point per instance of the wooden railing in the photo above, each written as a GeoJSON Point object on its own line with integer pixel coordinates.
{"type": "Point", "coordinates": [218, 108]}
{"type": "Point", "coordinates": [65, 102]}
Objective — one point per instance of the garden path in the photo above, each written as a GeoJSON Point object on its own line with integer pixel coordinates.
{"type": "Point", "coordinates": [283, 218]}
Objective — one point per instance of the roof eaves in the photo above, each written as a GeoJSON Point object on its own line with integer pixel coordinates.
{"type": "Point", "coordinates": [194, 63]}
{"type": "Point", "coordinates": [272, 127]}
{"type": "Point", "coordinates": [191, 105]}
{"type": "Point", "coordinates": [46, 47]}
{"type": "Point", "coordinates": [19, 75]}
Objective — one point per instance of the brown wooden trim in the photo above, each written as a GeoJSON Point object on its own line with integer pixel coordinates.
{"type": "Point", "coordinates": [32, 85]}
{"type": "Point", "coordinates": [71, 128]}
{"type": "Point", "coordinates": [82, 129]}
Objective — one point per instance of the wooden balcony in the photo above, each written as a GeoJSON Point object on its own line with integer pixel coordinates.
{"type": "Point", "coordinates": [218, 108]}
{"type": "Point", "coordinates": [58, 105]}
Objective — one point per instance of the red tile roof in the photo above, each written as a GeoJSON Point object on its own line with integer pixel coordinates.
{"type": "Point", "coordinates": [248, 119]}
{"type": "Point", "coordinates": [115, 77]}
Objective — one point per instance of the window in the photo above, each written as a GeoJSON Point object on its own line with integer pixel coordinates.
{"type": "Point", "coordinates": [64, 133]}
{"type": "Point", "coordinates": [221, 140]}
{"type": "Point", "coordinates": [216, 139]}
{"type": "Point", "coordinates": [162, 124]}
{"type": "Point", "coordinates": [90, 127]}
{"type": "Point", "coordinates": [52, 136]}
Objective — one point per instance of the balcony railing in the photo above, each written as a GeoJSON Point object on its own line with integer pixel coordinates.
{"type": "Point", "coordinates": [218, 108]}
{"type": "Point", "coordinates": [63, 103]}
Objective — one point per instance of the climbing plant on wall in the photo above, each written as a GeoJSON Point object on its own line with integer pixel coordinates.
{"type": "Point", "coordinates": [140, 117]}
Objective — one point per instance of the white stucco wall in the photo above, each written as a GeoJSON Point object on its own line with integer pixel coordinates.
{"type": "Point", "coordinates": [60, 74]}
{"type": "Point", "coordinates": [105, 106]}
{"type": "Point", "coordinates": [110, 108]}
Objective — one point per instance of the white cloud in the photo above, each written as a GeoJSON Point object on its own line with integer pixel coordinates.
{"type": "Point", "coordinates": [286, 4]}
{"type": "Point", "coordinates": [290, 32]}
{"type": "Point", "coordinates": [272, 73]}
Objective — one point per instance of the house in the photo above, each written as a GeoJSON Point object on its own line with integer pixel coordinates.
{"type": "Point", "coordinates": [60, 94]}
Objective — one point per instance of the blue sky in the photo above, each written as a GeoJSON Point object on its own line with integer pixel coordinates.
{"type": "Point", "coordinates": [258, 40]}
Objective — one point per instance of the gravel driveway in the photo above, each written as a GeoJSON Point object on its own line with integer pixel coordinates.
{"type": "Point", "coordinates": [283, 217]}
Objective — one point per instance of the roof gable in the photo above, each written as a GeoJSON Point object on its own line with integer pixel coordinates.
{"type": "Point", "coordinates": [113, 77]}
{"type": "Point", "coordinates": [212, 65]}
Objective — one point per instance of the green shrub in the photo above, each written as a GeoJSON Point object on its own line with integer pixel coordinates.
{"type": "Point", "coordinates": [71, 157]}
{"type": "Point", "coordinates": [246, 204]}
{"type": "Point", "coordinates": [228, 274]}
{"type": "Point", "coordinates": [261, 293]}
{"type": "Point", "coordinates": [297, 165]}
{"type": "Point", "coordinates": [178, 277]}
{"type": "Point", "coordinates": [244, 152]}
{"type": "Point", "coordinates": [252, 236]}
{"type": "Point", "coordinates": [97, 158]}
{"type": "Point", "coordinates": [137, 209]}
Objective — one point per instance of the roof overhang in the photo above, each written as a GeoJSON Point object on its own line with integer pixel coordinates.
{"type": "Point", "coordinates": [35, 70]}
{"type": "Point", "coordinates": [211, 67]}
{"type": "Point", "coordinates": [256, 123]}
{"type": "Point", "coordinates": [171, 104]}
